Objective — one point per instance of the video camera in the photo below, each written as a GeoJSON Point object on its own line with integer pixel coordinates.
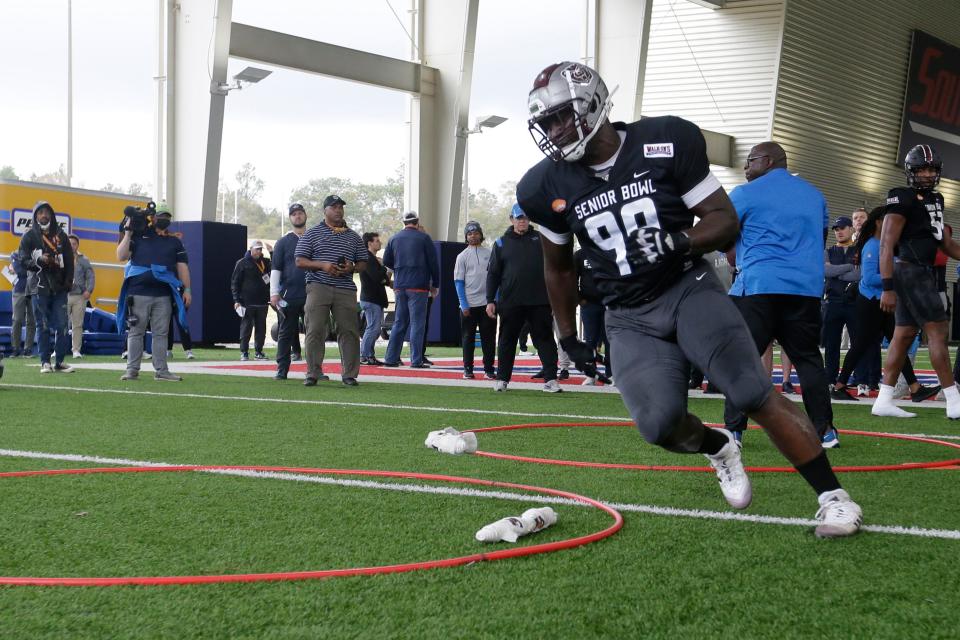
{"type": "Point", "coordinates": [137, 217]}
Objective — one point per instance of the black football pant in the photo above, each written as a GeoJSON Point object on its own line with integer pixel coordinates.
{"type": "Point", "coordinates": [478, 319]}
{"type": "Point", "coordinates": [253, 321]}
{"type": "Point", "coordinates": [288, 336]}
{"type": "Point", "coordinates": [836, 315]}
{"type": "Point", "coordinates": [794, 321]}
{"type": "Point", "coordinates": [540, 320]}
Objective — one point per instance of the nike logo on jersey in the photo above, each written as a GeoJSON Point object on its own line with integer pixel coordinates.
{"type": "Point", "coordinates": [699, 277]}
{"type": "Point", "coordinates": [640, 175]}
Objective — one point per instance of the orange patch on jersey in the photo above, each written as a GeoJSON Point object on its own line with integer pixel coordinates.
{"type": "Point", "coordinates": [559, 205]}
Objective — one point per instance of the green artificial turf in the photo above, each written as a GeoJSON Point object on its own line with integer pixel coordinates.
{"type": "Point", "coordinates": [661, 576]}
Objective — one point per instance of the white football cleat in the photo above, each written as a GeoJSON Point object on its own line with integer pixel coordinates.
{"type": "Point", "coordinates": [838, 515]}
{"type": "Point", "coordinates": [734, 482]}
{"type": "Point", "coordinates": [501, 385]}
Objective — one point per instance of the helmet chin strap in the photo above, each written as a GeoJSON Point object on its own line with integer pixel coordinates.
{"type": "Point", "coordinates": [579, 148]}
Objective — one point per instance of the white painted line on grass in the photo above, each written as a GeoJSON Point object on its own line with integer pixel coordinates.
{"type": "Point", "coordinates": [336, 403]}
{"type": "Point", "coordinates": [702, 514]}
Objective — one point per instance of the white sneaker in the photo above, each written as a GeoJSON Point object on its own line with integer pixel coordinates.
{"type": "Point", "coordinates": [589, 382]}
{"type": "Point", "coordinates": [838, 515]}
{"type": "Point", "coordinates": [863, 390]}
{"type": "Point", "coordinates": [552, 386]}
{"type": "Point", "coordinates": [190, 355]}
{"type": "Point", "coordinates": [890, 410]}
{"type": "Point", "coordinates": [77, 355]}
{"type": "Point", "coordinates": [62, 368]}
{"type": "Point", "coordinates": [527, 354]}
{"type": "Point", "coordinates": [500, 385]}
{"type": "Point", "coordinates": [734, 482]}
{"type": "Point", "coordinates": [46, 367]}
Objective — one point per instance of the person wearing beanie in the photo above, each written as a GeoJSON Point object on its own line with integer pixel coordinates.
{"type": "Point", "coordinates": [250, 286]}
{"type": "Point", "coordinates": [470, 281]}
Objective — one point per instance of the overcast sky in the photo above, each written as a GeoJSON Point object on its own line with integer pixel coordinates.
{"type": "Point", "coordinates": [292, 126]}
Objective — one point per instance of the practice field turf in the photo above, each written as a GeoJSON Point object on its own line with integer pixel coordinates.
{"type": "Point", "coordinates": [684, 565]}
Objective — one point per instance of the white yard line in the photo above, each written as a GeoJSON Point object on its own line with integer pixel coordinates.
{"type": "Point", "coordinates": [946, 534]}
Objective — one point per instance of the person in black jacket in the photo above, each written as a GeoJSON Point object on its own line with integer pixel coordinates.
{"type": "Point", "coordinates": [374, 281]}
{"type": "Point", "coordinates": [517, 292]}
{"type": "Point", "coordinates": [250, 285]}
{"type": "Point", "coordinates": [45, 250]}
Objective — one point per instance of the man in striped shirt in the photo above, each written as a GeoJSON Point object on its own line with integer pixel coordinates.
{"type": "Point", "coordinates": [332, 252]}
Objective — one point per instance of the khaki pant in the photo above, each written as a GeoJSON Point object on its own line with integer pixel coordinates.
{"type": "Point", "coordinates": [323, 299]}
{"type": "Point", "coordinates": [76, 308]}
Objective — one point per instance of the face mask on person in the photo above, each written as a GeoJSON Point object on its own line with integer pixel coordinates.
{"type": "Point", "coordinates": [162, 224]}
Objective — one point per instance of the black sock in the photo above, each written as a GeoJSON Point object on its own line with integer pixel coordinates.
{"type": "Point", "coordinates": [713, 441]}
{"type": "Point", "coordinates": [819, 474]}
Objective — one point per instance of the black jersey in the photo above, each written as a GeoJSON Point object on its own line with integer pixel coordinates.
{"type": "Point", "coordinates": [661, 171]}
{"type": "Point", "coordinates": [923, 230]}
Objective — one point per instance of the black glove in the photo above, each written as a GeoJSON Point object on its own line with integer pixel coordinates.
{"type": "Point", "coordinates": [583, 357]}
{"type": "Point", "coordinates": [650, 245]}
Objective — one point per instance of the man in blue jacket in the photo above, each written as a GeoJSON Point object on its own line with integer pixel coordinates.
{"type": "Point", "coordinates": [416, 275]}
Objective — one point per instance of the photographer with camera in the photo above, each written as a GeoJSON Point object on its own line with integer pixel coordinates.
{"type": "Point", "coordinates": [45, 250]}
{"type": "Point", "coordinates": [332, 252]}
{"type": "Point", "coordinates": [154, 275]}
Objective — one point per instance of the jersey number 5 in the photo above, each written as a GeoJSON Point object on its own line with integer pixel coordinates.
{"type": "Point", "coordinates": [936, 223]}
{"type": "Point", "coordinates": [606, 233]}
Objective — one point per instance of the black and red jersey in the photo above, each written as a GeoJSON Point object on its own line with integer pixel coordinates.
{"type": "Point", "coordinates": [923, 227]}
{"type": "Point", "coordinates": [660, 172]}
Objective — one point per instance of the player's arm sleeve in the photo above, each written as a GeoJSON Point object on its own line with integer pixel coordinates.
{"type": "Point", "coordinates": [899, 201]}
{"type": "Point", "coordinates": [691, 169]}
{"type": "Point", "coordinates": [461, 288]}
{"type": "Point", "coordinates": [537, 205]}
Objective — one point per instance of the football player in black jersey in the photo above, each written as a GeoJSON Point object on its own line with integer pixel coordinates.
{"type": "Point", "coordinates": [913, 231]}
{"type": "Point", "coordinates": [630, 193]}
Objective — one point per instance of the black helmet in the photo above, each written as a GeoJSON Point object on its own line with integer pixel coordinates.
{"type": "Point", "coordinates": [920, 157]}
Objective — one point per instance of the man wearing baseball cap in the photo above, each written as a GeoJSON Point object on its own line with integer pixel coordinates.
{"type": "Point", "coordinates": [841, 276]}
{"type": "Point", "coordinates": [288, 291]}
{"type": "Point", "coordinates": [332, 252]}
{"type": "Point", "coordinates": [250, 286]}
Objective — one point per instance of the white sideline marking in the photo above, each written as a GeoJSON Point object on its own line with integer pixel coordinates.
{"type": "Point", "coordinates": [703, 514]}
{"type": "Point", "coordinates": [338, 403]}
{"type": "Point", "coordinates": [374, 405]}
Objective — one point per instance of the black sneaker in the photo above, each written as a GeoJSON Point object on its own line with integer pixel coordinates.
{"type": "Point", "coordinates": [563, 374]}
{"type": "Point", "coordinates": [309, 382]}
{"type": "Point", "coordinates": [322, 377]}
{"type": "Point", "coordinates": [279, 376]}
{"type": "Point", "coordinates": [422, 365]}
{"type": "Point", "coordinates": [925, 393]}
{"type": "Point", "coordinates": [490, 375]}
{"type": "Point", "coordinates": [538, 375]}
{"type": "Point", "coordinates": [296, 357]}
{"type": "Point", "coordinates": [260, 356]}
{"type": "Point", "coordinates": [392, 364]}
{"type": "Point", "coordinates": [468, 375]}
{"type": "Point", "coordinates": [427, 360]}
{"type": "Point", "coordinates": [842, 394]}
{"type": "Point", "coordinates": [787, 387]}
{"type": "Point", "coordinates": [351, 382]}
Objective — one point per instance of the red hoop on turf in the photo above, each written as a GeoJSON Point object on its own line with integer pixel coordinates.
{"type": "Point", "coordinates": [905, 466]}
{"type": "Point", "coordinates": [515, 552]}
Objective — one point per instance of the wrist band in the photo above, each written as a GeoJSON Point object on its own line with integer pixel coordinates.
{"type": "Point", "coordinates": [186, 289]}
{"type": "Point", "coordinates": [887, 284]}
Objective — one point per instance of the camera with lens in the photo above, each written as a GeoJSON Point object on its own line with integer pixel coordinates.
{"type": "Point", "coordinates": [135, 218]}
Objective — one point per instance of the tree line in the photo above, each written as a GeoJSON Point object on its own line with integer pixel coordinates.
{"type": "Point", "coordinates": [371, 206]}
